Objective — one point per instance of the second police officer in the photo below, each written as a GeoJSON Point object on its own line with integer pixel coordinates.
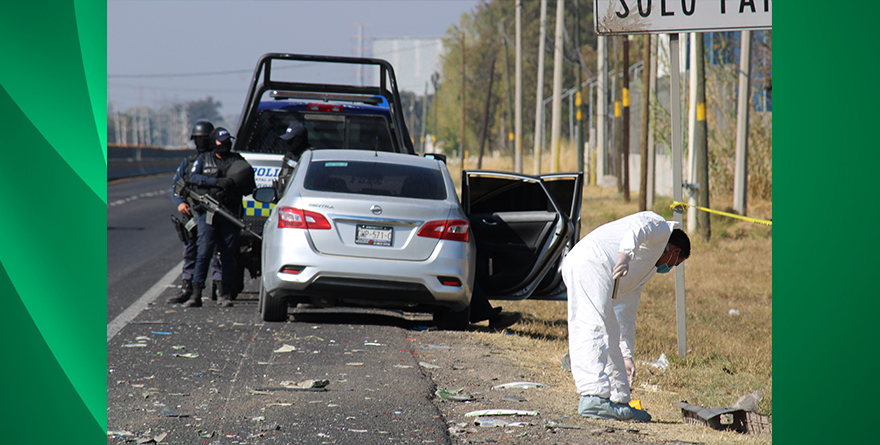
{"type": "Point", "coordinates": [201, 136]}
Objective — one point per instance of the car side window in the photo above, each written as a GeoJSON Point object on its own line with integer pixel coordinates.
{"type": "Point", "coordinates": [491, 195]}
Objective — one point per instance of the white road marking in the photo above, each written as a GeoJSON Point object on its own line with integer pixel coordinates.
{"type": "Point", "coordinates": [132, 311]}
{"type": "Point", "coordinates": [134, 197]}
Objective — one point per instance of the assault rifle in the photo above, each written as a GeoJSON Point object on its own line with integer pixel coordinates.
{"type": "Point", "coordinates": [210, 205]}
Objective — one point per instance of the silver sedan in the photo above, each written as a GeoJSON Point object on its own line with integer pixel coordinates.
{"type": "Point", "coordinates": [369, 228]}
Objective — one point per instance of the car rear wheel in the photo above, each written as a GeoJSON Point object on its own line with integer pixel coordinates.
{"type": "Point", "coordinates": [450, 320]}
{"type": "Point", "coordinates": [272, 308]}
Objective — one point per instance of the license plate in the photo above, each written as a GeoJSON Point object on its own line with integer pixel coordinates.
{"type": "Point", "coordinates": [373, 235]}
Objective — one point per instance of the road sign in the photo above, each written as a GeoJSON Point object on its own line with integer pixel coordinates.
{"type": "Point", "coordinates": [674, 16]}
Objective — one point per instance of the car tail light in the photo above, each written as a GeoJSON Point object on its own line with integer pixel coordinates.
{"type": "Point", "coordinates": [450, 229]}
{"type": "Point", "coordinates": [449, 281]}
{"type": "Point", "coordinates": [291, 218]}
{"type": "Point", "coordinates": [325, 107]}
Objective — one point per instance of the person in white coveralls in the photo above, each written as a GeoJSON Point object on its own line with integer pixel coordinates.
{"type": "Point", "coordinates": [601, 329]}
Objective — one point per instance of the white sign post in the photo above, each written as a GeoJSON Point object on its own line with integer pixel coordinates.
{"type": "Point", "coordinates": [623, 17]}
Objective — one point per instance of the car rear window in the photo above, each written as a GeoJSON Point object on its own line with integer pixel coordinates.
{"type": "Point", "coordinates": [375, 178]}
{"type": "Point", "coordinates": [326, 131]}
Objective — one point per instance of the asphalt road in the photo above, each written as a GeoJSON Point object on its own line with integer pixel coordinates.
{"type": "Point", "coordinates": [142, 245]}
{"type": "Point", "coordinates": [214, 375]}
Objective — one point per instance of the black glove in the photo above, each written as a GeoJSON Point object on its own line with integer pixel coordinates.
{"type": "Point", "coordinates": [224, 183]}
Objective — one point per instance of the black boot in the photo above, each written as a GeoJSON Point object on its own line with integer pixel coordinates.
{"type": "Point", "coordinates": [225, 298]}
{"type": "Point", "coordinates": [195, 300]}
{"type": "Point", "coordinates": [215, 290]}
{"type": "Point", "coordinates": [185, 291]}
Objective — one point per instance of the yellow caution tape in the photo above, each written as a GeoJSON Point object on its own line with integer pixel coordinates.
{"type": "Point", "coordinates": [732, 215]}
{"type": "Point", "coordinates": [626, 97]}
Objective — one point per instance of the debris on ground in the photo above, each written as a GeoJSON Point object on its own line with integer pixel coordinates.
{"type": "Point", "coordinates": [456, 395]}
{"type": "Point", "coordinates": [519, 385]}
{"type": "Point", "coordinates": [500, 412]}
{"type": "Point", "coordinates": [305, 384]}
{"type": "Point", "coordinates": [285, 348]}
{"type": "Point", "coordinates": [734, 419]}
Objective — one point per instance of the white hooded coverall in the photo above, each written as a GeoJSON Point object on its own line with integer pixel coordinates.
{"type": "Point", "coordinates": [601, 331]}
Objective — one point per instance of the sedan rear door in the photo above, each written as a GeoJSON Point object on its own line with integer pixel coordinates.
{"type": "Point", "coordinates": [522, 226]}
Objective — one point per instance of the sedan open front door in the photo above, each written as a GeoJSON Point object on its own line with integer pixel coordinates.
{"type": "Point", "coordinates": [523, 226]}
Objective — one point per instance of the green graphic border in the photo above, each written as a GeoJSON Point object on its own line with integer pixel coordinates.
{"type": "Point", "coordinates": [53, 97]}
{"type": "Point", "coordinates": [53, 257]}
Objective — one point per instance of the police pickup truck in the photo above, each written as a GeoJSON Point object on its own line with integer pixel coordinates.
{"type": "Point", "coordinates": [336, 116]}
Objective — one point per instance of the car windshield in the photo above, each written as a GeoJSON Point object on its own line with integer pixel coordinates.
{"type": "Point", "coordinates": [375, 178]}
{"type": "Point", "coordinates": [326, 131]}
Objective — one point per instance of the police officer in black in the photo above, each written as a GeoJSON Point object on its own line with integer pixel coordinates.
{"type": "Point", "coordinates": [296, 138]}
{"type": "Point", "coordinates": [225, 176]}
{"type": "Point", "coordinates": [201, 136]}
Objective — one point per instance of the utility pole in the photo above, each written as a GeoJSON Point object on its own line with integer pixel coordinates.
{"type": "Point", "coordinates": [486, 111]}
{"type": "Point", "coordinates": [435, 80]}
{"type": "Point", "coordinates": [691, 187]}
{"type": "Point", "coordinates": [509, 119]}
{"type": "Point", "coordinates": [360, 53]}
{"type": "Point", "coordinates": [539, 102]}
{"type": "Point", "coordinates": [579, 97]}
{"type": "Point", "coordinates": [463, 80]}
{"type": "Point", "coordinates": [556, 123]}
{"type": "Point", "coordinates": [424, 118]}
{"type": "Point", "coordinates": [701, 149]}
{"type": "Point", "coordinates": [625, 125]}
{"type": "Point", "coordinates": [652, 86]}
{"type": "Point", "coordinates": [518, 157]}
{"type": "Point", "coordinates": [601, 108]}
{"type": "Point", "coordinates": [646, 98]}
{"type": "Point", "coordinates": [741, 172]}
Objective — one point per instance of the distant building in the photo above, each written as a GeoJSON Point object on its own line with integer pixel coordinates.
{"type": "Point", "coordinates": [414, 60]}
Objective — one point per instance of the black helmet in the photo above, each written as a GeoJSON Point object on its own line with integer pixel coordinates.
{"type": "Point", "coordinates": [201, 128]}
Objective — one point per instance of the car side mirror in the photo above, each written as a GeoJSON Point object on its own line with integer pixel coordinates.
{"type": "Point", "coordinates": [265, 194]}
{"type": "Point", "coordinates": [437, 156]}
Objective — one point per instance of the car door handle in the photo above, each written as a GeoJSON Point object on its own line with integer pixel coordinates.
{"type": "Point", "coordinates": [490, 223]}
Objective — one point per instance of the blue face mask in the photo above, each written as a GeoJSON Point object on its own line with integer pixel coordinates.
{"type": "Point", "coordinates": [663, 268]}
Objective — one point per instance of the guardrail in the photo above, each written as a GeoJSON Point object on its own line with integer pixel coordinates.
{"type": "Point", "coordinates": [126, 161]}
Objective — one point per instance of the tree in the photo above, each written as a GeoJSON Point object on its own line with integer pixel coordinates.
{"type": "Point", "coordinates": [204, 109]}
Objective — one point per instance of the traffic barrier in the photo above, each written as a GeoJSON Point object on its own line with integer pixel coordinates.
{"type": "Point", "coordinates": [126, 161]}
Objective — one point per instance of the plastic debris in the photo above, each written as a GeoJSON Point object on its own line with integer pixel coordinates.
{"type": "Point", "coordinates": [566, 362]}
{"type": "Point", "coordinates": [135, 345]}
{"type": "Point", "coordinates": [513, 399]}
{"type": "Point", "coordinates": [437, 347]}
{"type": "Point", "coordinates": [354, 364]}
{"type": "Point", "coordinates": [733, 312]}
{"type": "Point", "coordinates": [501, 412]}
{"type": "Point", "coordinates": [306, 384]}
{"type": "Point", "coordinates": [163, 333]}
{"type": "Point", "coordinates": [428, 365]}
{"type": "Point", "coordinates": [455, 395]}
{"type": "Point", "coordinates": [168, 413]}
{"type": "Point", "coordinates": [373, 344]}
{"type": "Point", "coordinates": [519, 385]}
{"type": "Point", "coordinates": [187, 355]}
{"type": "Point", "coordinates": [403, 366]}
{"type": "Point", "coordinates": [488, 422]}
{"type": "Point", "coordinates": [549, 424]}
{"type": "Point", "coordinates": [285, 348]}
{"type": "Point", "coordinates": [178, 347]}
{"type": "Point", "coordinates": [735, 419]}
{"type": "Point", "coordinates": [661, 363]}
{"type": "Point", "coordinates": [749, 402]}
{"type": "Point", "coordinates": [119, 433]}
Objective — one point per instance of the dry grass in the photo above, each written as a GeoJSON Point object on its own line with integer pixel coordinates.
{"type": "Point", "coordinates": [728, 355]}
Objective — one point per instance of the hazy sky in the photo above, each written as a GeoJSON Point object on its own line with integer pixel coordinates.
{"type": "Point", "coordinates": [187, 48]}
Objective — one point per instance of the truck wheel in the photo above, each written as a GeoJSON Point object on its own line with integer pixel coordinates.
{"type": "Point", "coordinates": [450, 320]}
{"type": "Point", "coordinates": [272, 308]}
